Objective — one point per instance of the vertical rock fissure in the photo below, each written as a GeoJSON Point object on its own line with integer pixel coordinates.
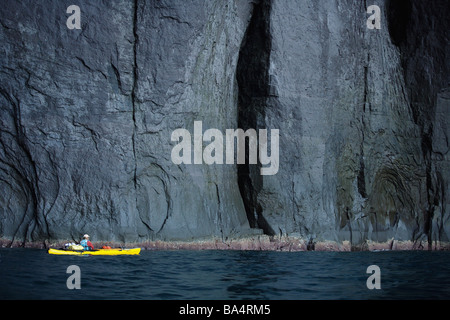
{"type": "Point", "coordinates": [134, 100]}
{"type": "Point", "coordinates": [219, 211]}
{"type": "Point", "coordinates": [252, 76]}
{"type": "Point", "coordinates": [134, 88]}
{"type": "Point", "coordinates": [366, 104]}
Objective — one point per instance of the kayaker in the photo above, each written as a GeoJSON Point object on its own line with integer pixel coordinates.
{"type": "Point", "coordinates": [87, 245]}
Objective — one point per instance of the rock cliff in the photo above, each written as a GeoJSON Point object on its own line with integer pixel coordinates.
{"type": "Point", "coordinates": [87, 116]}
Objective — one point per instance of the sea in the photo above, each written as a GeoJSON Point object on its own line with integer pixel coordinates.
{"type": "Point", "coordinates": [33, 274]}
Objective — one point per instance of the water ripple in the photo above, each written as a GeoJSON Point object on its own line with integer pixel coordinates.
{"type": "Point", "coordinates": [33, 274]}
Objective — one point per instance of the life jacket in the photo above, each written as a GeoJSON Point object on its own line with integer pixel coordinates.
{"type": "Point", "coordinates": [85, 245]}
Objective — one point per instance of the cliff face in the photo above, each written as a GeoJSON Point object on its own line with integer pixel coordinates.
{"type": "Point", "coordinates": [87, 116]}
{"type": "Point", "coordinates": [362, 112]}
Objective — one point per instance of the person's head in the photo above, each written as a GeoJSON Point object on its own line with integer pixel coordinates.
{"type": "Point", "coordinates": [86, 236]}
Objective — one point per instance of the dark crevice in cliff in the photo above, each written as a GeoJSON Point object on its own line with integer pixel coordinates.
{"type": "Point", "coordinates": [167, 195]}
{"type": "Point", "coordinates": [398, 15]}
{"type": "Point", "coordinates": [252, 76]}
{"type": "Point", "coordinates": [361, 179]}
{"type": "Point", "coordinates": [134, 88]}
{"type": "Point", "coordinates": [134, 101]}
{"type": "Point", "coordinates": [219, 211]}
{"type": "Point", "coordinates": [117, 74]}
{"type": "Point", "coordinates": [361, 173]}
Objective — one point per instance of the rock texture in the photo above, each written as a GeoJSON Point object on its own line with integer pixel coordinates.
{"type": "Point", "coordinates": [87, 115]}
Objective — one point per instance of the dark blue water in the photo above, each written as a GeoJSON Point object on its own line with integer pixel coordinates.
{"type": "Point", "coordinates": [34, 274]}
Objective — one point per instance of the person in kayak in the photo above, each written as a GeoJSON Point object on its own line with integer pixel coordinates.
{"type": "Point", "coordinates": [87, 245]}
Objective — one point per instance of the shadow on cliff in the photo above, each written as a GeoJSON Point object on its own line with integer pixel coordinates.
{"type": "Point", "coordinates": [252, 77]}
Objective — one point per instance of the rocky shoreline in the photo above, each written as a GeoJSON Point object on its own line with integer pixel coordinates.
{"type": "Point", "coordinates": [256, 243]}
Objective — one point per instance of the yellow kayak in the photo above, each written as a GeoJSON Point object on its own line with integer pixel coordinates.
{"type": "Point", "coordinates": [97, 252]}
